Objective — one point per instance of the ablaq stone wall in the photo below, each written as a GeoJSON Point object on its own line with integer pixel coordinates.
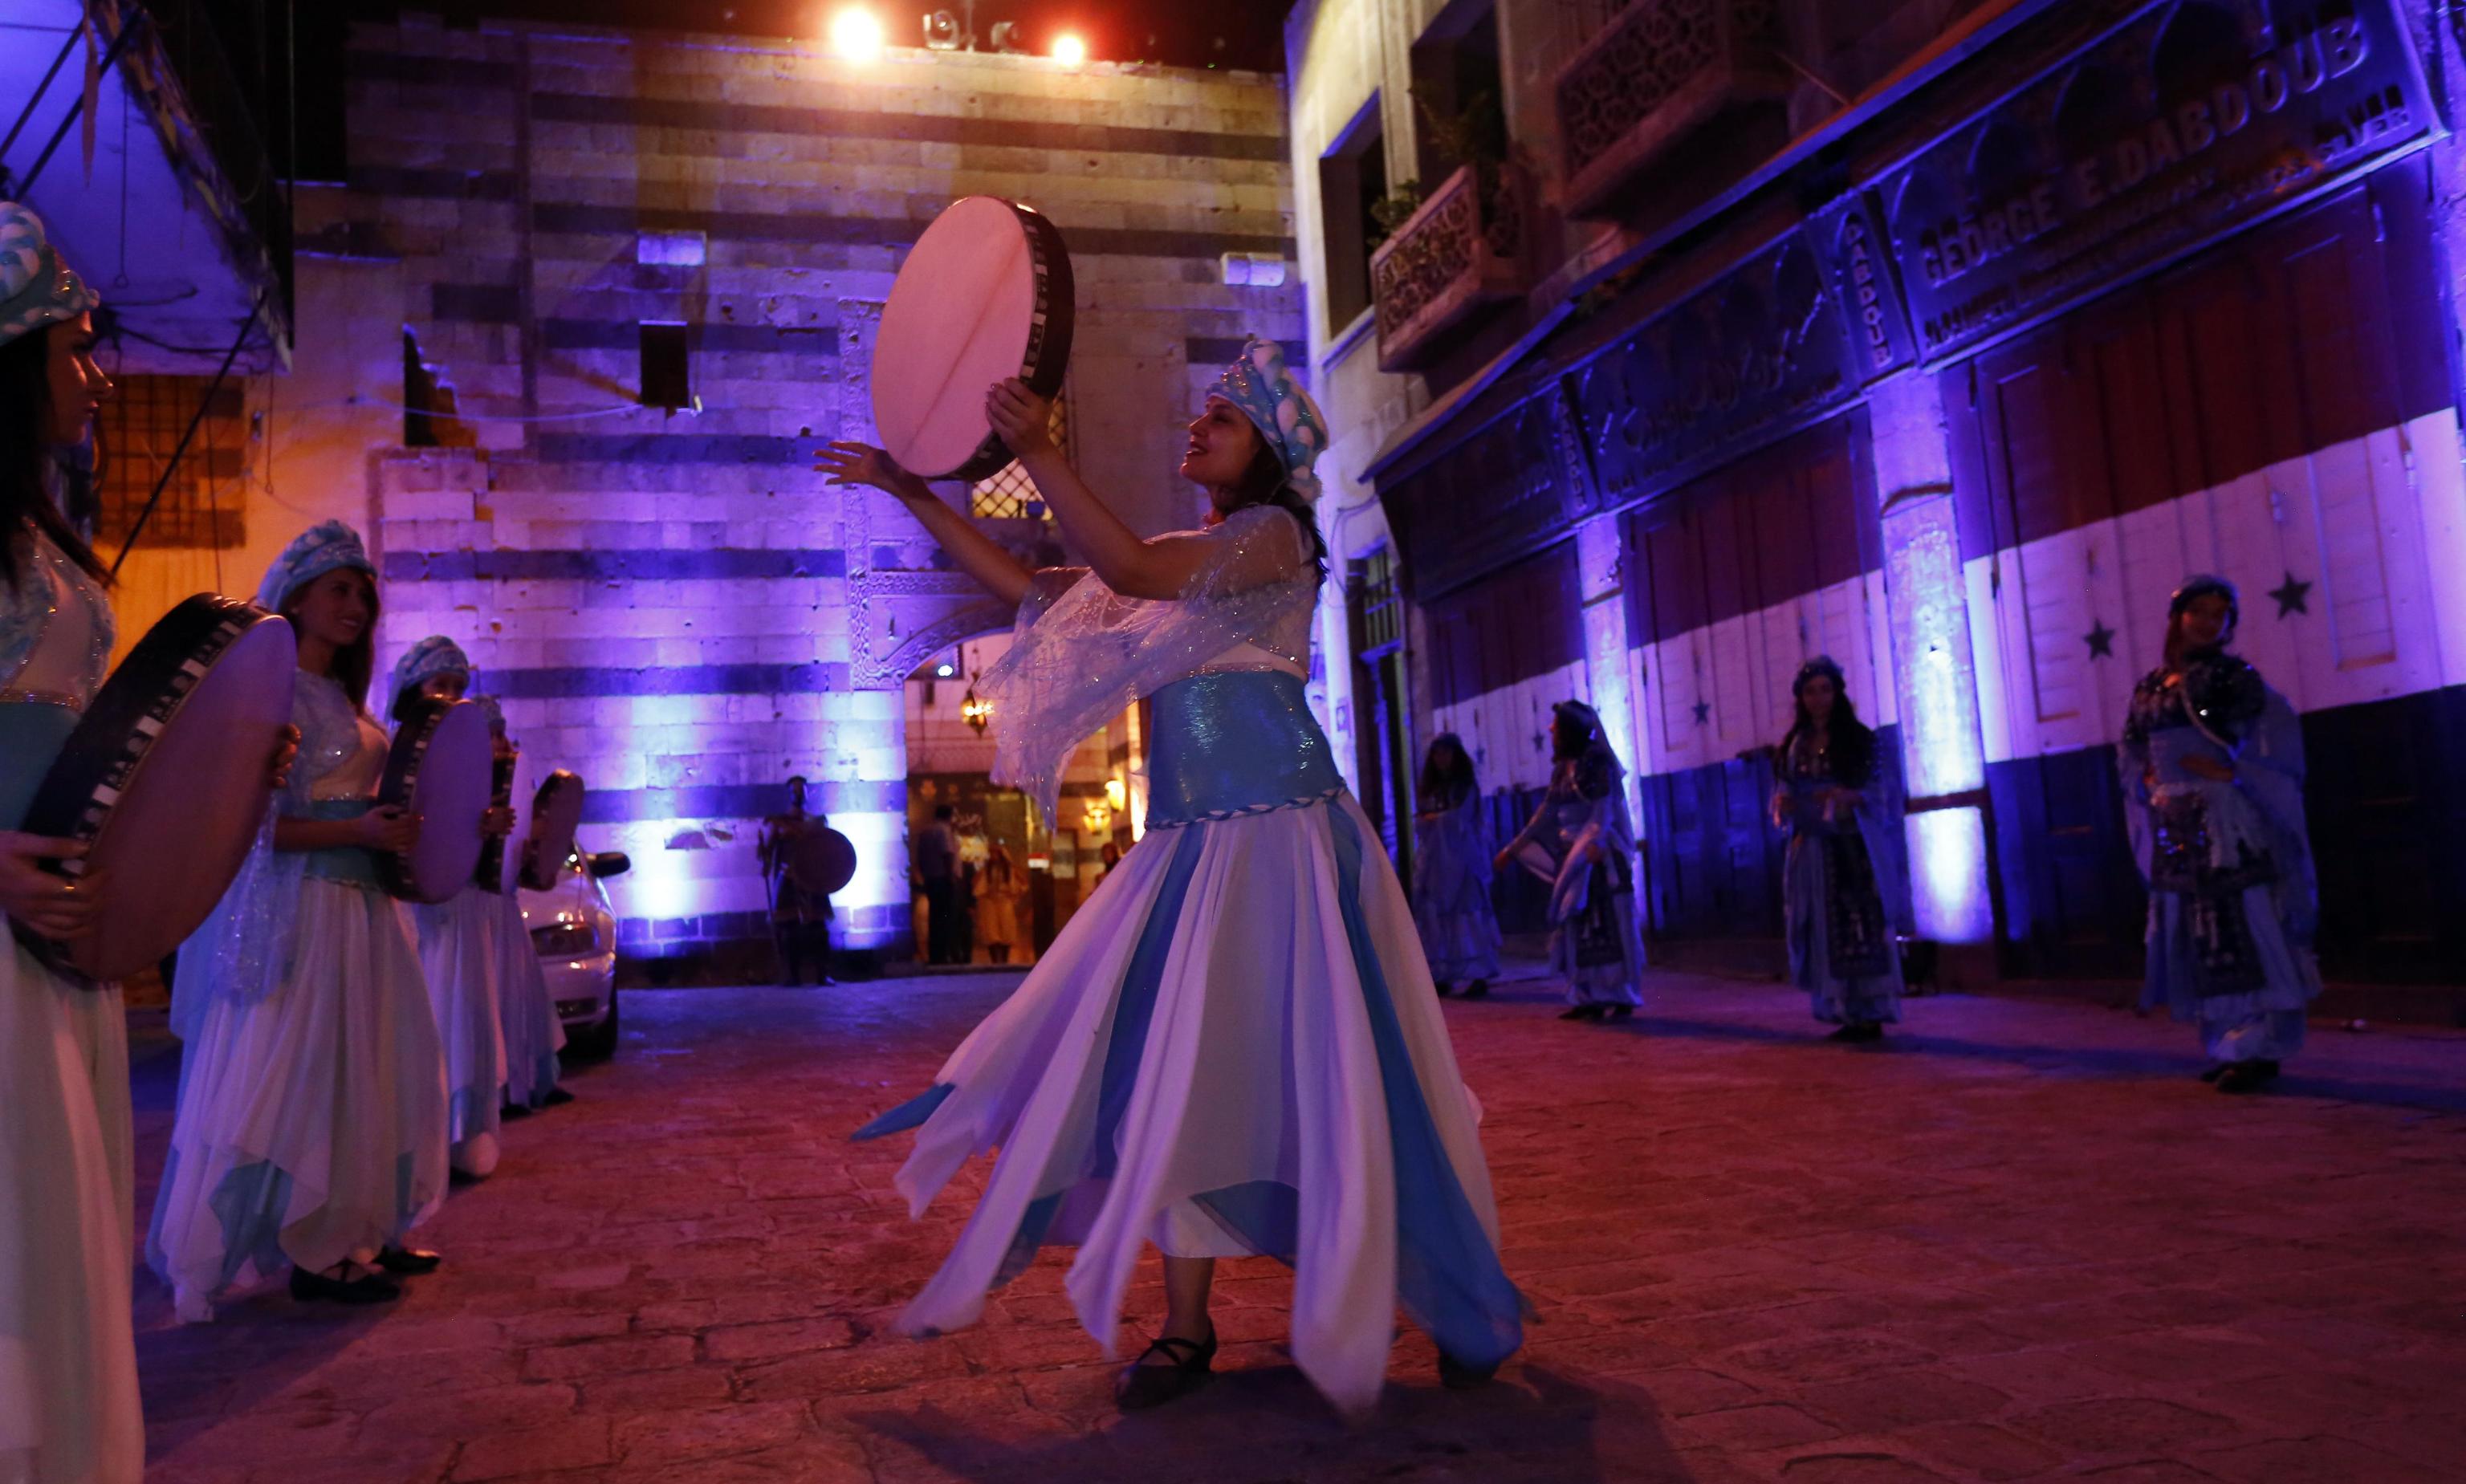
{"type": "Point", "coordinates": [672, 604]}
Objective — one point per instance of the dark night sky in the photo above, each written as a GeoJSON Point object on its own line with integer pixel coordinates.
{"type": "Point", "coordinates": [1181, 33]}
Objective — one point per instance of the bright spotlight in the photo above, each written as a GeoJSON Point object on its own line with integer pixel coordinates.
{"type": "Point", "coordinates": [856, 34]}
{"type": "Point", "coordinates": [1069, 51]}
{"type": "Point", "coordinates": [943, 670]}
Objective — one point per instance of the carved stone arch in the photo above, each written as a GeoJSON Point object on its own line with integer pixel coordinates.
{"type": "Point", "coordinates": [934, 637]}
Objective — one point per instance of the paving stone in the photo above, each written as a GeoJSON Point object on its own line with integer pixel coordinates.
{"type": "Point", "coordinates": [1752, 1256]}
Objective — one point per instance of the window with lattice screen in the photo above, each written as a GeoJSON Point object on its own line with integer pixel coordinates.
{"type": "Point", "coordinates": [1008, 494]}
{"type": "Point", "coordinates": [138, 427]}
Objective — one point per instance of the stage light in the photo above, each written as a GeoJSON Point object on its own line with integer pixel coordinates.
{"type": "Point", "coordinates": [945, 670]}
{"type": "Point", "coordinates": [1069, 51]}
{"type": "Point", "coordinates": [856, 34]}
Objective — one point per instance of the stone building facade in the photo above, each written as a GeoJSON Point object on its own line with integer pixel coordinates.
{"type": "Point", "coordinates": [670, 602]}
{"type": "Point", "coordinates": [1943, 336]}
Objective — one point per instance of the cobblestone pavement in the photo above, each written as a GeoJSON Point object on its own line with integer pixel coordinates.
{"type": "Point", "coordinates": [2018, 1240]}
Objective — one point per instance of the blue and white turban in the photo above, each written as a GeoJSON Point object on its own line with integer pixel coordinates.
{"type": "Point", "coordinates": [35, 287]}
{"type": "Point", "coordinates": [435, 654]}
{"type": "Point", "coordinates": [1268, 393]}
{"type": "Point", "coordinates": [326, 547]}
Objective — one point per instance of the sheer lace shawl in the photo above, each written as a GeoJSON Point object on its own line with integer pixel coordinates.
{"type": "Point", "coordinates": [1081, 656]}
{"type": "Point", "coordinates": [243, 950]}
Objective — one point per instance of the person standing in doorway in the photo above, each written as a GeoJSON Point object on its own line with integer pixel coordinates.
{"type": "Point", "coordinates": [937, 866]}
{"type": "Point", "coordinates": [800, 910]}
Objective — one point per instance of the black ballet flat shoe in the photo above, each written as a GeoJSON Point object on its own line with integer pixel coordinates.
{"type": "Point", "coordinates": [1582, 1012]}
{"type": "Point", "coordinates": [2268, 1066]}
{"type": "Point", "coordinates": [513, 1111]}
{"type": "Point", "coordinates": [368, 1290]}
{"type": "Point", "coordinates": [408, 1262]}
{"type": "Point", "coordinates": [1622, 1012]}
{"type": "Point", "coordinates": [2213, 1071]}
{"type": "Point", "coordinates": [1456, 1376]}
{"type": "Point", "coordinates": [556, 1097]}
{"type": "Point", "coordinates": [1188, 1365]}
{"type": "Point", "coordinates": [2243, 1077]}
{"type": "Point", "coordinates": [1443, 989]}
{"type": "Point", "coordinates": [1478, 989]}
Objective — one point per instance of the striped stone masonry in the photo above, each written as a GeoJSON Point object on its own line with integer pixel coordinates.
{"type": "Point", "coordinates": [674, 605]}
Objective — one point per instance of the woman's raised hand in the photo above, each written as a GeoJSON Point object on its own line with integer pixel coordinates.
{"type": "Point", "coordinates": [863, 464]}
{"type": "Point", "coordinates": [46, 903]}
{"type": "Point", "coordinates": [1023, 420]}
{"type": "Point", "coordinates": [286, 751]}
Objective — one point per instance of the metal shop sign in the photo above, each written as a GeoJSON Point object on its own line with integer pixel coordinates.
{"type": "Point", "coordinates": [1776, 342]}
{"type": "Point", "coordinates": [2187, 119]}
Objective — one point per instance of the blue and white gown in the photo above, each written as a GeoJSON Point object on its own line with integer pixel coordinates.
{"type": "Point", "coordinates": [1845, 887]}
{"type": "Point", "coordinates": [1234, 1049]}
{"type": "Point", "coordinates": [2233, 904]}
{"type": "Point", "coordinates": [533, 1033]}
{"type": "Point", "coordinates": [458, 957]}
{"type": "Point", "coordinates": [312, 1121]}
{"type": "Point", "coordinates": [1451, 879]}
{"type": "Point", "coordinates": [69, 1410]}
{"type": "Point", "coordinates": [1596, 946]}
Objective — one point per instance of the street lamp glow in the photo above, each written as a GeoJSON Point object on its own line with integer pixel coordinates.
{"type": "Point", "coordinates": [856, 34]}
{"type": "Point", "coordinates": [1069, 51]}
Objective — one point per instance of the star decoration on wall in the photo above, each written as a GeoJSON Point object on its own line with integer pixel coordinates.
{"type": "Point", "coordinates": [2291, 597]}
{"type": "Point", "coordinates": [1703, 713]}
{"type": "Point", "coordinates": [2100, 641]}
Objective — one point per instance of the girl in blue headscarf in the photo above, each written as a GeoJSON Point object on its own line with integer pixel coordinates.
{"type": "Point", "coordinates": [1235, 1048]}
{"type": "Point", "coordinates": [2212, 764]}
{"type": "Point", "coordinates": [458, 944]}
{"type": "Point", "coordinates": [311, 1134]}
{"type": "Point", "coordinates": [68, 1362]}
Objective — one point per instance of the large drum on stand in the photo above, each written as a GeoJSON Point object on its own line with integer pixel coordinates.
{"type": "Point", "coordinates": [165, 781]}
{"type": "Point", "coordinates": [985, 295]}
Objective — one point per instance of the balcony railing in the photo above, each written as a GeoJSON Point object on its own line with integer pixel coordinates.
{"type": "Point", "coordinates": [1461, 250]}
{"type": "Point", "coordinates": [1656, 73]}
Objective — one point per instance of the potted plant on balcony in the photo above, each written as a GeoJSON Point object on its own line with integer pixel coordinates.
{"type": "Point", "coordinates": [1447, 250]}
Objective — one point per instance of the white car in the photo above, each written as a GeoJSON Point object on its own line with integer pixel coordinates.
{"type": "Point", "coordinates": [573, 930]}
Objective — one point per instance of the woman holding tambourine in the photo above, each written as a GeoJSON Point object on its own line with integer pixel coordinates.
{"type": "Point", "coordinates": [457, 943]}
{"type": "Point", "coordinates": [312, 1124]}
{"type": "Point", "coordinates": [1235, 1047]}
{"type": "Point", "coordinates": [68, 1362]}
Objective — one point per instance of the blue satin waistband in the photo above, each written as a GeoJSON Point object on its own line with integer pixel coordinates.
{"type": "Point", "coordinates": [1232, 743]}
{"type": "Point", "coordinates": [31, 736]}
{"type": "Point", "coordinates": [346, 866]}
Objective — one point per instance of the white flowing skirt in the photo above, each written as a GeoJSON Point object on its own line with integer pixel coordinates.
{"type": "Point", "coordinates": [68, 1360]}
{"type": "Point", "coordinates": [533, 1033]}
{"type": "Point", "coordinates": [459, 956]}
{"type": "Point", "coordinates": [312, 1124]}
{"type": "Point", "coordinates": [1234, 1049]}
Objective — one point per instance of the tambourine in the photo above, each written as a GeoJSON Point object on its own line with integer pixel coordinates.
{"type": "Point", "coordinates": [443, 767]}
{"type": "Point", "coordinates": [165, 781]}
{"type": "Point", "coordinates": [985, 295]}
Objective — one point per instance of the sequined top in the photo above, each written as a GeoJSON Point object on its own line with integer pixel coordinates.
{"type": "Point", "coordinates": [2220, 693]}
{"type": "Point", "coordinates": [56, 628]}
{"type": "Point", "coordinates": [341, 748]}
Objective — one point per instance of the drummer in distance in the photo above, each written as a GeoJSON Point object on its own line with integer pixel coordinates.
{"type": "Point", "coordinates": [800, 910]}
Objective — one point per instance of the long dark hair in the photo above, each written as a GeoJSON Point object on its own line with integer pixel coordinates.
{"type": "Point", "coordinates": [1853, 742]}
{"type": "Point", "coordinates": [354, 667]}
{"type": "Point", "coordinates": [1263, 483]}
{"type": "Point", "coordinates": [24, 444]}
{"type": "Point", "coordinates": [1449, 786]}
